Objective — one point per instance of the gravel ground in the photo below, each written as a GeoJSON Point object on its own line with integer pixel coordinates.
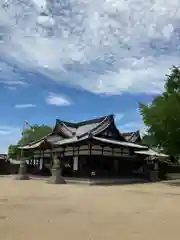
{"type": "Point", "coordinates": [36, 210]}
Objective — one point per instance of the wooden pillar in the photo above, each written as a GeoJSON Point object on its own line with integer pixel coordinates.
{"type": "Point", "coordinates": [41, 160]}
{"type": "Point", "coordinates": [75, 163]}
{"type": "Point", "coordinates": [41, 163]}
{"type": "Point", "coordinates": [56, 177]}
{"type": "Point", "coordinates": [116, 166]}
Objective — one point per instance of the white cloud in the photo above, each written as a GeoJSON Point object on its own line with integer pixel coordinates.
{"type": "Point", "coordinates": [11, 88]}
{"type": "Point", "coordinates": [133, 126]}
{"type": "Point", "coordinates": [58, 100]}
{"type": "Point", "coordinates": [137, 41]}
{"type": "Point", "coordinates": [143, 130]}
{"type": "Point", "coordinates": [40, 3]}
{"type": "Point", "coordinates": [25, 105]}
{"type": "Point", "coordinates": [12, 82]}
{"type": "Point", "coordinates": [118, 116]}
{"type": "Point", "coordinates": [10, 78]}
{"type": "Point", "coordinates": [132, 122]}
{"type": "Point", "coordinates": [9, 74]}
{"type": "Point", "coordinates": [8, 135]}
{"type": "Point", "coordinates": [130, 126]}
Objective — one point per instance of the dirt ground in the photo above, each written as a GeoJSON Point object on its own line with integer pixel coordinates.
{"type": "Point", "coordinates": [35, 210]}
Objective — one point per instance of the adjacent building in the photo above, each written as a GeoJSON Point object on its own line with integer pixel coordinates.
{"type": "Point", "coordinates": [3, 160]}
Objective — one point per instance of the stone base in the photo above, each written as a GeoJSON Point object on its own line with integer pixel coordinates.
{"type": "Point", "coordinates": [153, 176]}
{"type": "Point", "coordinates": [56, 177]}
{"type": "Point", "coordinates": [56, 180]}
{"type": "Point", "coordinates": [22, 177]}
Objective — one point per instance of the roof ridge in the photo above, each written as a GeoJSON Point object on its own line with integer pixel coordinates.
{"type": "Point", "coordinates": [67, 129]}
{"type": "Point", "coordinates": [130, 135]}
{"type": "Point", "coordinates": [90, 121]}
{"type": "Point", "coordinates": [66, 123]}
{"type": "Point", "coordinates": [96, 128]}
{"type": "Point", "coordinates": [100, 125]}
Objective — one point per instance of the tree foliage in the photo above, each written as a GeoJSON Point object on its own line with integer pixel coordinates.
{"type": "Point", "coordinates": [34, 133]}
{"type": "Point", "coordinates": [29, 135]}
{"type": "Point", "coordinates": [162, 116]}
{"type": "Point", "coordinates": [13, 151]}
{"type": "Point", "coordinates": [149, 140]}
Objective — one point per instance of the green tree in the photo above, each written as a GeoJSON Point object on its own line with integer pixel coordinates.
{"type": "Point", "coordinates": [149, 140]}
{"type": "Point", "coordinates": [34, 133]}
{"type": "Point", "coordinates": [13, 151]}
{"type": "Point", "coordinates": [173, 81]}
{"type": "Point", "coordinates": [162, 116]}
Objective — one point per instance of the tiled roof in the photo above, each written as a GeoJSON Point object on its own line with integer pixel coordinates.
{"type": "Point", "coordinates": [76, 139]}
{"type": "Point", "coordinates": [33, 145]}
{"type": "Point", "coordinates": [121, 143]}
{"type": "Point", "coordinates": [56, 142]}
{"type": "Point", "coordinates": [104, 140]}
{"type": "Point", "coordinates": [3, 156]}
{"type": "Point", "coordinates": [80, 129]}
{"type": "Point", "coordinates": [65, 131]}
{"type": "Point", "coordinates": [87, 122]}
{"type": "Point", "coordinates": [151, 152]}
{"type": "Point", "coordinates": [131, 136]}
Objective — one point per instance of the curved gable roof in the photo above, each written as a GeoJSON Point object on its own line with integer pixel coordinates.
{"type": "Point", "coordinates": [81, 129]}
{"type": "Point", "coordinates": [132, 136]}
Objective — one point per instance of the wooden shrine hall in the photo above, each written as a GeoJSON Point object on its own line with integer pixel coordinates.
{"type": "Point", "coordinates": [93, 148]}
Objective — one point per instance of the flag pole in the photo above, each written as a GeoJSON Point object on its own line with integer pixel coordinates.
{"type": "Point", "coordinates": [24, 124]}
{"type": "Point", "coordinates": [22, 168]}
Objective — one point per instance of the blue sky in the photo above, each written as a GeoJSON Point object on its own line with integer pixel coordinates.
{"type": "Point", "coordinates": [77, 59]}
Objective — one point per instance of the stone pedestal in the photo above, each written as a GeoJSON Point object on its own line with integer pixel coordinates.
{"type": "Point", "coordinates": [22, 175]}
{"type": "Point", "coordinates": [153, 176]}
{"type": "Point", "coordinates": [56, 177]}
